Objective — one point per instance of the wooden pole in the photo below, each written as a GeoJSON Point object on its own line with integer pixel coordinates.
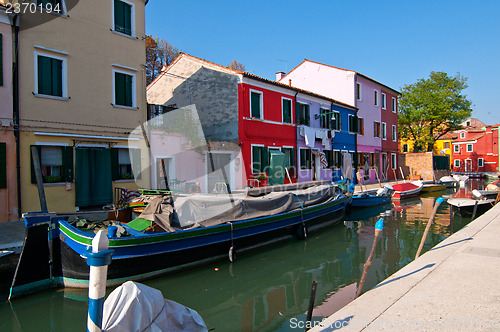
{"type": "Point", "coordinates": [378, 179]}
{"type": "Point", "coordinates": [395, 176]}
{"type": "Point", "coordinates": [378, 228]}
{"type": "Point", "coordinates": [311, 304]}
{"type": "Point", "coordinates": [39, 178]}
{"type": "Point", "coordinates": [428, 227]}
{"type": "Point", "coordinates": [402, 174]}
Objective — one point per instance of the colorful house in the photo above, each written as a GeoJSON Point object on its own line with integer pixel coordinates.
{"type": "Point", "coordinates": [80, 96]}
{"type": "Point", "coordinates": [367, 95]}
{"type": "Point", "coordinates": [476, 150]}
{"type": "Point", "coordinates": [443, 146]}
{"type": "Point", "coordinates": [8, 175]}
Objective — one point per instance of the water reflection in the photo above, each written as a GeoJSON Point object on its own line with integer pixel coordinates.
{"type": "Point", "coordinates": [263, 290]}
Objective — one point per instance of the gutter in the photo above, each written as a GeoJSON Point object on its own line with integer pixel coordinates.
{"type": "Point", "coordinates": [16, 108]}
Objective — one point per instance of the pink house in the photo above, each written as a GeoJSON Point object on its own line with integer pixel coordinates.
{"type": "Point", "coordinates": [367, 95]}
{"type": "Point", "coordinates": [8, 183]}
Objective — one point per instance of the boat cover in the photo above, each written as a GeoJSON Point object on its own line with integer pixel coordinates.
{"type": "Point", "coordinates": [201, 210]}
{"type": "Point", "coordinates": [137, 307]}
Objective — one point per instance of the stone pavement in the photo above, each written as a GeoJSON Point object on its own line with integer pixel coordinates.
{"type": "Point", "coordinates": [12, 235]}
{"type": "Point", "coordinates": [453, 287]}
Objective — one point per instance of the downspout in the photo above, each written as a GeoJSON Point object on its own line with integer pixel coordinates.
{"type": "Point", "coordinates": [356, 149]}
{"type": "Point", "coordinates": [15, 109]}
{"type": "Point", "coordinates": [333, 155]}
{"type": "Point", "coordinates": [295, 170]}
{"type": "Point", "coordinates": [498, 144]}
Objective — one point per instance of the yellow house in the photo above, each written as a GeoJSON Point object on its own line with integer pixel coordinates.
{"type": "Point", "coordinates": [443, 146]}
{"type": "Point", "coordinates": [81, 92]}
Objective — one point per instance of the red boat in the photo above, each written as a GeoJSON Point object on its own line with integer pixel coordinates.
{"type": "Point", "coordinates": [407, 189]}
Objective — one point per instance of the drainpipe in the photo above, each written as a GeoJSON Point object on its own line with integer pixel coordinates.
{"type": "Point", "coordinates": [498, 144]}
{"type": "Point", "coordinates": [295, 170]}
{"type": "Point", "coordinates": [15, 109]}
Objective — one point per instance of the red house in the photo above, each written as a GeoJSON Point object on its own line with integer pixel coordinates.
{"type": "Point", "coordinates": [476, 150]}
{"type": "Point", "coordinates": [389, 117]}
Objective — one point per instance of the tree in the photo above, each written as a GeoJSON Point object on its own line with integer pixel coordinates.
{"type": "Point", "coordinates": [236, 66]}
{"type": "Point", "coordinates": [432, 107]}
{"type": "Point", "coordinates": [159, 53]}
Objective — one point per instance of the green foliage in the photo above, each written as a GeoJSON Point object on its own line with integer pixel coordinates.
{"type": "Point", "coordinates": [52, 179]}
{"type": "Point", "coordinates": [431, 107]}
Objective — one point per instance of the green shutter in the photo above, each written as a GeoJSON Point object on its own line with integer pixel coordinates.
{"type": "Point", "coordinates": [127, 19]}
{"type": "Point", "coordinates": [56, 76]}
{"type": "Point", "coordinates": [128, 90]}
{"type": "Point", "coordinates": [44, 75]}
{"type": "Point", "coordinates": [256, 158]}
{"type": "Point", "coordinates": [287, 111]}
{"type": "Point", "coordinates": [265, 159]}
{"type": "Point", "coordinates": [119, 17]}
{"type": "Point", "coordinates": [115, 167]}
{"type": "Point", "coordinates": [123, 89]}
{"type": "Point", "coordinates": [39, 148]}
{"type": "Point", "coordinates": [67, 163]}
{"type": "Point", "coordinates": [1, 60]}
{"type": "Point", "coordinates": [292, 158]}
{"type": "Point", "coordinates": [3, 165]}
{"type": "Point", "coordinates": [308, 116]}
{"type": "Point", "coordinates": [255, 101]}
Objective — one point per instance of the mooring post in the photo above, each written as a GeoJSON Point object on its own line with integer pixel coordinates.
{"type": "Point", "coordinates": [428, 227]}
{"type": "Point", "coordinates": [379, 226]}
{"type": "Point", "coordinates": [311, 303]}
{"type": "Point", "coordinates": [98, 258]}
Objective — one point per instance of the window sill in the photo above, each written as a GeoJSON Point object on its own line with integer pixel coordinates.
{"type": "Point", "coordinates": [134, 108]}
{"type": "Point", "coordinates": [123, 34]}
{"type": "Point", "coordinates": [54, 184]}
{"type": "Point", "coordinates": [125, 181]}
{"type": "Point", "coordinates": [51, 97]}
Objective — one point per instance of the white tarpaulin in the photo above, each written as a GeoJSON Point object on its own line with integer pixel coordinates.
{"type": "Point", "coordinates": [137, 307]}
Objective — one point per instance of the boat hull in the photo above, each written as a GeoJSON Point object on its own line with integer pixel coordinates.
{"type": "Point", "coordinates": [369, 201]}
{"type": "Point", "coordinates": [155, 255]}
{"type": "Point", "coordinates": [406, 190]}
{"type": "Point", "coordinates": [465, 206]}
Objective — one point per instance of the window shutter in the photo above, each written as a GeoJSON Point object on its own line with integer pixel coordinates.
{"type": "Point", "coordinates": [115, 168]}
{"type": "Point", "coordinates": [67, 163]}
{"type": "Point", "coordinates": [255, 111]}
{"type": "Point", "coordinates": [256, 159]}
{"type": "Point", "coordinates": [287, 111]}
{"type": "Point", "coordinates": [308, 120]}
{"type": "Point", "coordinates": [128, 90]}
{"type": "Point", "coordinates": [39, 148]}
{"type": "Point", "coordinates": [119, 89]}
{"type": "Point", "coordinates": [265, 159]}
{"type": "Point", "coordinates": [3, 165]}
{"type": "Point", "coordinates": [127, 19]}
{"type": "Point", "coordinates": [56, 76]}
{"type": "Point", "coordinates": [44, 75]}
{"type": "Point", "coordinates": [1, 60]}
{"type": "Point", "coordinates": [355, 124]}
{"type": "Point", "coordinates": [119, 16]}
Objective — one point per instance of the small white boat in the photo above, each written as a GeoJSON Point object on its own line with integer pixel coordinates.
{"type": "Point", "coordinates": [449, 181]}
{"type": "Point", "coordinates": [465, 206]}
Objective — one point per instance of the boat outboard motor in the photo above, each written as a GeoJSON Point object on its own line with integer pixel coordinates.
{"type": "Point", "coordinates": [385, 190]}
{"type": "Point", "coordinates": [477, 195]}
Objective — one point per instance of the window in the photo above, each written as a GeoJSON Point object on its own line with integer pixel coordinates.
{"type": "Point", "coordinates": [384, 99]}
{"type": "Point", "coordinates": [469, 147]}
{"type": "Point", "coordinates": [123, 17]}
{"type": "Point", "coordinates": [468, 123]}
{"type": "Point", "coordinates": [405, 148]}
{"type": "Point", "coordinates": [394, 133]}
{"type": "Point", "coordinates": [384, 130]}
{"type": "Point", "coordinates": [480, 162]}
{"type": "Point", "coordinates": [124, 89]}
{"type": "Point", "coordinates": [457, 162]}
{"type": "Point", "coordinates": [394, 105]}
{"type": "Point", "coordinates": [289, 159]}
{"type": "Point", "coordinates": [56, 163]}
{"type": "Point", "coordinates": [260, 159]}
{"type": "Point", "coordinates": [456, 148]}
{"type": "Point", "coordinates": [50, 75]}
{"type": "Point", "coordinates": [358, 91]}
{"type": "Point", "coordinates": [305, 159]}
{"type": "Point", "coordinates": [122, 167]}
{"type": "Point", "coordinates": [375, 95]}
{"type": "Point", "coordinates": [256, 109]}
{"type": "Point", "coordinates": [1, 60]}
{"type": "Point", "coordinates": [376, 129]}
{"type": "Point", "coordinates": [336, 123]}
{"type": "Point", "coordinates": [337, 159]}
{"type": "Point", "coordinates": [361, 126]}
{"type": "Point", "coordinates": [329, 158]}
{"type": "Point", "coordinates": [462, 135]}
{"type": "Point", "coordinates": [303, 114]}
{"type": "Point", "coordinates": [353, 124]}
{"type": "Point", "coordinates": [446, 145]}
{"type": "Point", "coordinates": [324, 118]}
{"type": "Point", "coordinates": [393, 161]}
{"type": "Point", "coordinates": [286, 110]}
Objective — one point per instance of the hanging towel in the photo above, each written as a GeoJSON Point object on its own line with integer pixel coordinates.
{"type": "Point", "coordinates": [310, 135]}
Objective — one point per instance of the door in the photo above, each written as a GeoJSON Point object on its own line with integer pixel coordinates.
{"type": "Point", "coordinates": [93, 180]}
{"type": "Point", "coordinates": [468, 165]}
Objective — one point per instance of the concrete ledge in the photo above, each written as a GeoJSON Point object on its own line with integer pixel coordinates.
{"type": "Point", "coordinates": [453, 286]}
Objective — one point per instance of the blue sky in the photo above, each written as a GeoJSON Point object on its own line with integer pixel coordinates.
{"type": "Point", "coordinates": [393, 42]}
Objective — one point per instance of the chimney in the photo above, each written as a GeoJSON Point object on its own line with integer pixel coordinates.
{"type": "Point", "coordinates": [290, 82]}
{"type": "Point", "coordinates": [280, 75]}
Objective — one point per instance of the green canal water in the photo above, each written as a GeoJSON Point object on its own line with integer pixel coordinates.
{"type": "Point", "coordinates": [269, 290]}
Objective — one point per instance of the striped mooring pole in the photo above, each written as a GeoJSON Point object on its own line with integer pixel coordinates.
{"type": "Point", "coordinates": [98, 258]}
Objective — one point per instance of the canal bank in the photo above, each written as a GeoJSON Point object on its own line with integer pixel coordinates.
{"type": "Point", "coordinates": [453, 286]}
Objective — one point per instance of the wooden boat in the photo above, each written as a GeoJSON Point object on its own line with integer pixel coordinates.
{"type": "Point", "coordinates": [405, 190]}
{"type": "Point", "coordinates": [431, 186]}
{"type": "Point", "coordinates": [249, 223]}
{"type": "Point", "coordinates": [484, 194]}
{"type": "Point", "coordinates": [368, 199]}
{"type": "Point", "coordinates": [465, 206]}
{"type": "Point", "coordinates": [449, 182]}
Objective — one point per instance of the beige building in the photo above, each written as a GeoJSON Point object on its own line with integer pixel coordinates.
{"type": "Point", "coordinates": [81, 91]}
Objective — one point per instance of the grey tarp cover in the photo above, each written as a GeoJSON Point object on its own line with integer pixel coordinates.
{"type": "Point", "coordinates": [201, 210]}
{"type": "Point", "coordinates": [137, 307]}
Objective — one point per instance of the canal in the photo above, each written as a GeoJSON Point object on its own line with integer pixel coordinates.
{"type": "Point", "coordinates": [269, 290]}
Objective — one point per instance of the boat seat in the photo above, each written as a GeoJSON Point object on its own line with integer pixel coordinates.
{"type": "Point", "coordinates": [139, 224]}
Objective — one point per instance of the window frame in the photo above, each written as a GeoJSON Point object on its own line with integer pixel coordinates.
{"type": "Point", "coordinates": [283, 99]}
{"type": "Point", "coordinates": [456, 161]}
{"type": "Point", "coordinates": [462, 135]}
{"type": "Point", "coordinates": [361, 126]}
{"type": "Point", "coordinates": [375, 97]}
{"type": "Point", "coordinates": [405, 148]}
{"type": "Point", "coordinates": [64, 74]}
{"type": "Point", "coordinates": [394, 162]}
{"type": "Point", "coordinates": [482, 162]}
{"type": "Point", "coordinates": [383, 130]}
{"type": "Point", "coordinates": [359, 91]}
{"type": "Point", "coordinates": [456, 148]}
{"type": "Point", "coordinates": [376, 129]}
{"type": "Point", "coordinates": [394, 105]}
{"type": "Point", "coordinates": [338, 121]}
{"type": "Point", "coordinates": [308, 166]}
{"type": "Point", "coordinates": [394, 133]}
{"type": "Point", "coordinates": [134, 88]}
{"type": "Point", "coordinates": [384, 101]}
{"type": "Point", "coordinates": [471, 148]}
{"type": "Point", "coordinates": [261, 104]}
{"type": "Point", "coordinates": [132, 19]}
{"type": "Point", "coordinates": [307, 117]}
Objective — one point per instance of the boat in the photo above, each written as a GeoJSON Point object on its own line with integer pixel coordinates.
{"type": "Point", "coordinates": [368, 199]}
{"type": "Point", "coordinates": [465, 206]}
{"type": "Point", "coordinates": [202, 228]}
{"type": "Point", "coordinates": [430, 186]}
{"type": "Point", "coordinates": [407, 189]}
{"type": "Point", "coordinates": [484, 194]}
{"type": "Point", "coordinates": [449, 182]}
